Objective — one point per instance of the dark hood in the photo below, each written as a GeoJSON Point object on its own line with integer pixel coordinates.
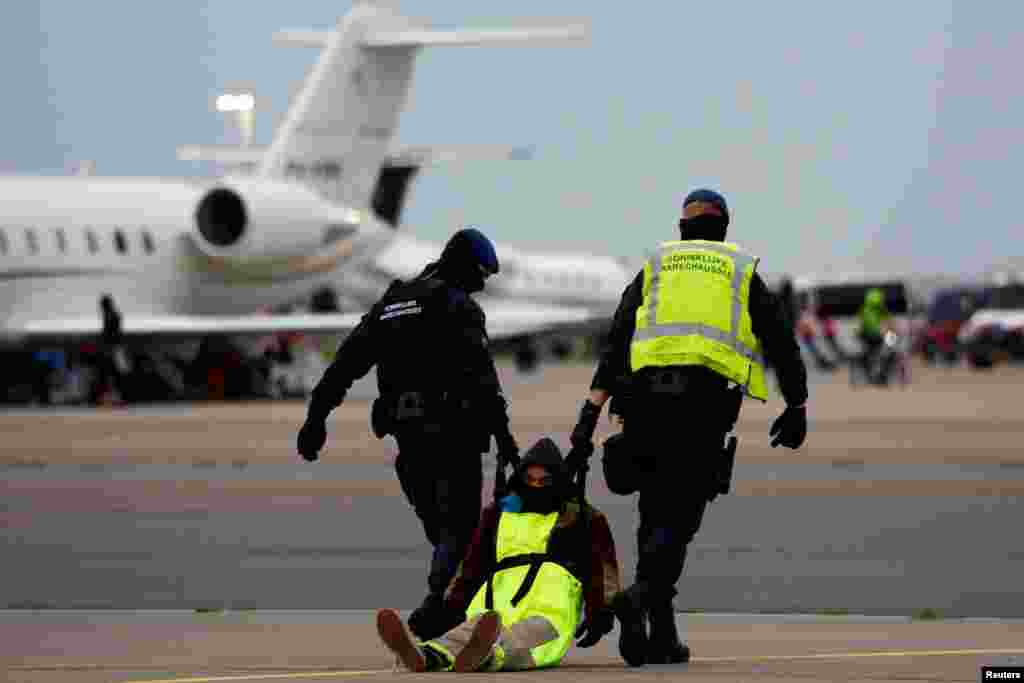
{"type": "Point", "coordinates": [547, 453]}
{"type": "Point", "coordinates": [549, 498]}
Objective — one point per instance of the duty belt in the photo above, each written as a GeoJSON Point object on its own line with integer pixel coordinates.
{"type": "Point", "coordinates": [679, 380]}
{"type": "Point", "coordinates": [667, 381]}
{"type": "Point", "coordinates": [417, 404]}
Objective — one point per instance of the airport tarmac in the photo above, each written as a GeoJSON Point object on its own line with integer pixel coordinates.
{"type": "Point", "coordinates": [903, 502]}
{"type": "Point", "coordinates": [184, 647]}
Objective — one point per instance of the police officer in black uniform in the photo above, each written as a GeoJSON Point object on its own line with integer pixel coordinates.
{"type": "Point", "coordinates": [674, 436]}
{"type": "Point", "coordinates": [439, 397]}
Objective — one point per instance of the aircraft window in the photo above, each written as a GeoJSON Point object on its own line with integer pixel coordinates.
{"type": "Point", "coordinates": [328, 170]}
{"type": "Point", "coordinates": [147, 242]}
{"type": "Point", "coordinates": [321, 170]}
{"type": "Point", "coordinates": [120, 242]}
{"type": "Point", "coordinates": [3, 242]}
{"type": "Point", "coordinates": [91, 241]}
{"type": "Point", "coordinates": [32, 240]}
{"type": "Point", "coordinates": [62, 240]}
{"type": "Point", "coordinates": [335, 232]}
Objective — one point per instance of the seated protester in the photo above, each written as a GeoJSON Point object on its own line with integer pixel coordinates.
{"type": "Point", "coordinates": [536, 557]}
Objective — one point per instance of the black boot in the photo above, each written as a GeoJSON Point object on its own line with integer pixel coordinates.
{"type": "Point", "coordinates": [633, 627]}
{"type": "Point", "coordinates": [663, 646]}
{"type": "Point", "coordinates": [423, 621]}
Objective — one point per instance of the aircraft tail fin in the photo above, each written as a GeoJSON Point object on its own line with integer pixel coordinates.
{"type": "Point", "coordinates": [337, 131]}
{"type": "Point", "coordinates": [429, 37]}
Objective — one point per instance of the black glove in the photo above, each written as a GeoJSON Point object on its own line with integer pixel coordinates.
{"type": "Point", "coordinates": [508, 449]}
{"type": "Point", "coordinates": [790, 427]}
{"type": "Point", "coordinates": [311, 439]}
{"type": "Point", "coordinates": [432, 620]}
{"type": "Point", "coordinates": [583, 432]}
{"type": "Point", "coordinates": [618, 405]}
{"type": "Point", "coordinates": [595, 628]}
{"type": "Point", "coordinates": [578, 458]}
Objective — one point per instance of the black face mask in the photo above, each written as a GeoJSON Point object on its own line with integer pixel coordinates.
{"type": "Point", "coordinates": [466, 277]}
{"type": "Point", "coordinates": [542, 500]}
{"type": "Point", "coordinates": [472, 281]}
{"type": "Point", "coordinates": [706, 226]}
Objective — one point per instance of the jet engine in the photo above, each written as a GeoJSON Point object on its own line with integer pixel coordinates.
{"type": "Point", "coordinates": [254, 217]}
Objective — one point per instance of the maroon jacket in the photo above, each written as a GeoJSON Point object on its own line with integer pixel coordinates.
{"type": "Point", "coordinates": [581, 543]}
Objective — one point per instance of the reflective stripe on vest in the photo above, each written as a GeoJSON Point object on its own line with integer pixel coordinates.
{"type": "Point", "coordinates": [653, 329]}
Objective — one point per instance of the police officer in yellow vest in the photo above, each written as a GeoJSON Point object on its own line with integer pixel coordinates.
{"type": "Point", "coordinates": [691, 336]}
{"type": "Point", "coordinates": [540, 572]}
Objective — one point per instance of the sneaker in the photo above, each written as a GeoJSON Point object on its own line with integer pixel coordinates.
{"type": "Point", "coordinates": [481, 643]}
{"type": "Point", "coordinates": [399, 639]}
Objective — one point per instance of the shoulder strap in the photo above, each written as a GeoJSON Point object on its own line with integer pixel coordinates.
{"type": "Point", "coordinates": [534, 560]}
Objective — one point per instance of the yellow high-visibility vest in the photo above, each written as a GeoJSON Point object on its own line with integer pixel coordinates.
{"type": "Point", "coordinates": [695, 312]}
{"type": "Point", "coordinates": [555, 594]}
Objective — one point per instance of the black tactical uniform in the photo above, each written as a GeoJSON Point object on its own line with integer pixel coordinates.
{"type": "Point", "coordinates": [439, 397]}
{"type": "Point", "coordinates": [675, 437]}
{"type": "Point", "coordinates": [684, 457]}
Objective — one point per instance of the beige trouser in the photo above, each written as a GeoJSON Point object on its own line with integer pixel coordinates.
{"type": "Point", "coordinates": [513, 648]}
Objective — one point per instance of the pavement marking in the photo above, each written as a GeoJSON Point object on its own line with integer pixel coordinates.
{"type": "Point", "coordinates": [855, 655]}
{"type": "Point", "coordinates": [742, 658]}
{"type": "Point", "coordinates": [263, 677]}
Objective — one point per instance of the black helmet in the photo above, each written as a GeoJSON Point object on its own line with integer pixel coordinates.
{"type": "Point", "coordinates": [468, 259]}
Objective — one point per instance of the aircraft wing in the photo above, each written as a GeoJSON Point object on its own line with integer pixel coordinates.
{"type": "Point", "coordinates": [185, 326]}
{"type": "Point", "coordinates": [504, 320]}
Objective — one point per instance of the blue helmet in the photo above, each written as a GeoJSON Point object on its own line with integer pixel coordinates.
{"type": "Point", "coordinates": [468, 259]}
{"type": "Point", "coordinates": [710, 197]}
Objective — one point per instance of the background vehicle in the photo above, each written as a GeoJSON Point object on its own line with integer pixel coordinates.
{"type": "Point", "coordinates": [995, 332]}
{"type": "Point", "coordinates": [948, 311]}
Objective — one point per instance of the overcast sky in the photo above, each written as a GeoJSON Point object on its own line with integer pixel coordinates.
{"type": "Point", "coordinates": [845, 136]}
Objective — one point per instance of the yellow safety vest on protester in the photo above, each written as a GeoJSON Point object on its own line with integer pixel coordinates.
{"type": "Point", "coordinates": [695, 312]}
{"type": "Point", "coordinates": [555, 594]}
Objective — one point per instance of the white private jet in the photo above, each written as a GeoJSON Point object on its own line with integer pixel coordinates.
{"type": "Point", "coordinates": [319, 206]}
